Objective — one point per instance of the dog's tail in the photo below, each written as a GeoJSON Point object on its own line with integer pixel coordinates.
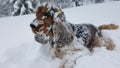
{"type": "Point", "coordinates": [107, 42]}
{"type": "Point", "coordinates": [108, 27]}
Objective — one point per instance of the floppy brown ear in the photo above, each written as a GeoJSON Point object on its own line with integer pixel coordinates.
{"type": "Point", "coordinates": [38, 11]}
{"type": "Point", "coordinates": [41, 10]}
{"type": "Point", "coordinates": [44, 10]}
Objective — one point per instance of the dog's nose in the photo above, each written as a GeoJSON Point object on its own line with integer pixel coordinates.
{"type": "Point", "coordinates": [32, 26]}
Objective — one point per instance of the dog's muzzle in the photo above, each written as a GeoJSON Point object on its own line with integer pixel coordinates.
{"type": "Point", "coordinates": [35, 23]}
{"type": "Point", "coordinates": [32, 26]}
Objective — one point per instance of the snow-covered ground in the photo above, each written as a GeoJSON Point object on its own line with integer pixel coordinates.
{"type": "Point", "coordinates": [19, 50]}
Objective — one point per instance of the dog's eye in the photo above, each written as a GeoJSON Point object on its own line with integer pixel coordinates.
{"type": "Point", "coordinates": [43, 17]}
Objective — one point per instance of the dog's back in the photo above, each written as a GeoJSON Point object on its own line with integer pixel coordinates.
{"type": "Point", "coordinates": [86, 32]}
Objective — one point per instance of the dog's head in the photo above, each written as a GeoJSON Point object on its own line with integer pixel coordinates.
{"type": "Point", "coordinates": [44, 19]}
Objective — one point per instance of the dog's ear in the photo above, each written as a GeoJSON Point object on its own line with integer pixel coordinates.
{"type": "Point", "coordinates": [44, 10]}
{"type": "Point", "coordinates": [40, 8]}
{"type": "Point", "coordinates": [46, 5]}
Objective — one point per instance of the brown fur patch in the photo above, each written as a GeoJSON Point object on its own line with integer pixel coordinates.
{"type": "Point", "coordinates": [40, 12]}
{"type": "Point", "coordinates": [108, 27]}
{"type": "Point", "coordinates": [97, 41]}
{"type": "Point", "coordinates": [109, 44]}
{"type": "Point", "coordinates": [61, 53]}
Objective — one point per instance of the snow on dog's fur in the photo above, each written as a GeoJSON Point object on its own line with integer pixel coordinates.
{"type": "Point", "coordinates": [66, 39]}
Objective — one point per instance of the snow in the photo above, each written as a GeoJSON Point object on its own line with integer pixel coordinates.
{"type": "Point", "coordinates": [22, 9]}
{"type": "Point", "coordinates": [96, 13]}
{"type": "Point", "coordinates": [18, 48]}
{"type": "Point", "coordinates": [29, 4]}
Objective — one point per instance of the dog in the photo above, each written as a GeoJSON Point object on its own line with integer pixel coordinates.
{"type": "Point", "coordinates": [50, 26]}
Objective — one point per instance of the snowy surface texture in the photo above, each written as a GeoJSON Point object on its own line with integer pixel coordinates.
{"type": "Point", "coordinates": [18, 48]}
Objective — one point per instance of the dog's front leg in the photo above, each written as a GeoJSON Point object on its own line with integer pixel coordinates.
{"type": "Point", "coordinates": [52, 49]}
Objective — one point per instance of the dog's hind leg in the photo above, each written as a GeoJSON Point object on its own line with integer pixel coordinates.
{"type": "Point", "coordinates": [97, 41]}
{"type": "Point", "coordinates": [109, 44]}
